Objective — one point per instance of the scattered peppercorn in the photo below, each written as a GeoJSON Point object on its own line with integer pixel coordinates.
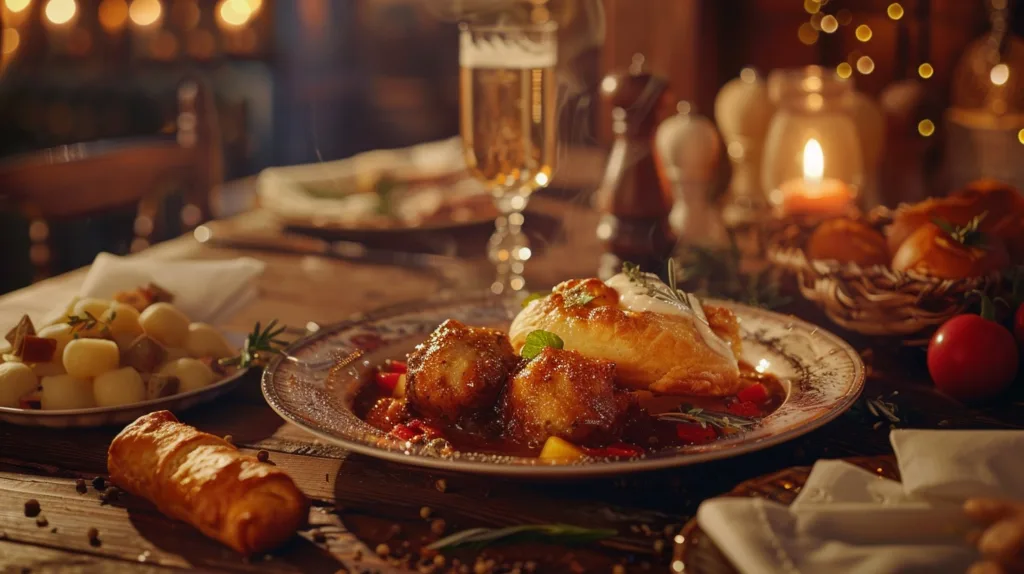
{"type": "Point", "coordinates": [262, 456]}
{"type": "Point", "coordinates": [437, 526]}
{"type": "Point", "coordinates": [383, 550]}
{"type": "Point", "coordinates": [357, 555]}
{"type": "Point", "coordinates": [319, 536]}
{"type": "Point", "coordinates": [94, 536]}
{"type": "Point", "coordinates": [425, 512]}
{"type": "Point", "coordinates": [109, 496]}
{"type": "Point", "coordinates": [41, 521]}
{"type": "Point", "coordinates": [99, 483]}
{"type": "Point", "coordinates": [441, 485]}
{"type": "Point", "coordinates": [80, 486]}
{"type": "Point", "coordinates": [53, 530]}
{"type": "Point", "coordinates": [31, 507]}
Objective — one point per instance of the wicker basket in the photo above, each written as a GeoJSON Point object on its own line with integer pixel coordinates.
{"type": "Point", "coordinates": [874, 300]}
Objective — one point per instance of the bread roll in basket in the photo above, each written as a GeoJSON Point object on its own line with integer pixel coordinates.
{"type": "Point", "coordinates": [874, 299]}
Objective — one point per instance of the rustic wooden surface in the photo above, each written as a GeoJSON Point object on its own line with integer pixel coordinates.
{"type": "Point", "coordinates": [360, 502]}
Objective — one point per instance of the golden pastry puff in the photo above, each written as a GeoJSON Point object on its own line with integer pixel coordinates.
{"type": "Point", "coordinates": [203, 480]}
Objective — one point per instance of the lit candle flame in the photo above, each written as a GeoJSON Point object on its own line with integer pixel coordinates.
{"type": "Point", "coordinates": [814, 161]}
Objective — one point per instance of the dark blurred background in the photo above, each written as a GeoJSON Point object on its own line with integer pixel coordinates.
{"type": "Point", "coordinates": [297, 81]}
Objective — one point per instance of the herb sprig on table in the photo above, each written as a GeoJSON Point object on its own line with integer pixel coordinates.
{"type": "Point", "coordinates": [546, 533]}
{"type": "Point", "coordinates": [258, 345]}
{"type": "Point", "coordinates": [719, 272]}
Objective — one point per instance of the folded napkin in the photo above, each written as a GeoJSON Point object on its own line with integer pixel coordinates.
{"type": "Point", "coordinates": [849, 520]}
{"type": "Point", "coordinates": [206, 291]}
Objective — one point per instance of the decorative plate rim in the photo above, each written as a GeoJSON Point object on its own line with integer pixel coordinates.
{"type": "Point", "coordinates": [558, 471]}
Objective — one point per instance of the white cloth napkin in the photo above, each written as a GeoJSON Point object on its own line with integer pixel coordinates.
{"type": "Point", "coordinates": [849, 520]}
{"type": "Point", "coordinates": [206, 291]}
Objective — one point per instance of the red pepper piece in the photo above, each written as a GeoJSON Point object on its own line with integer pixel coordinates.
{"type": "Point", "coordinates": [744, 409]}
{"type": "Point", "coordinates": [619, 449]}
{"type": "Point", "coordinates": [396, 366]}
{"type": "Point", "coordinates": [420, 427]}
{"type": "Point", "coordinates": [695, 434]}
{"type": "Point", "coordinates": [403, 432]}
{"type": "Point", "coordinates": [755, 393]}
{"type": "Point", "coordinates": [387, 381]}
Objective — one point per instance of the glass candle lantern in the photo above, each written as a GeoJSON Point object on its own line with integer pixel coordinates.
{"type": "Point", "coordinates": [813, 163]}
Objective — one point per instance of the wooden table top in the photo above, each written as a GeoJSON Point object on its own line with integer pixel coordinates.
{"type": "Point", "coordinates": [359, 502]}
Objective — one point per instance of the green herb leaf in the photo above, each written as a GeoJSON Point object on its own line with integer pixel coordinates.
{"type": "Point", "coordinates": [969, 235]}
{"type": "Point", "coordinates": [87, 321]}
{"type": "Point", "coordinates": [258, 344]}
{"type": "Point", "coordinates": [533, 297]}
{"type": "Point", "coordinates": [537, 340]}
{"type": "Point", "coordinates": [695, 415]}
{"type": "Point", "coordinates": [545, 533]}
{"type": "Point", "coordinates": [944, 225]}
{"type": "Point", "coordinates": [578, 298]}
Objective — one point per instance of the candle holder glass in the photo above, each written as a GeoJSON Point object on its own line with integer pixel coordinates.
{"type": "Point", "coordinates": [813, 162]}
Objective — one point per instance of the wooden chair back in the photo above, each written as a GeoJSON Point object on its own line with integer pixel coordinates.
{"type": "Point", "coordinates": [90, 179]}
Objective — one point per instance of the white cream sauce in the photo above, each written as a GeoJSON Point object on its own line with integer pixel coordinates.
{"type": "Point", "coordinates": [634, 297]}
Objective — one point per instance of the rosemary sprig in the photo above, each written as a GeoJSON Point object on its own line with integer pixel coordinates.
{"type": "Point", "coordinates": [670, 293]}
{"type": "Point", "coordinates": [696, 415]}
{"type": "Point", "coordinates": [968, 235]}
{"type": "Point", "coordinates": [258, 344]}
{"type": "Point", "coordinates": [87, 322]}
{"type": "Point", "coordinates": [883, 409]}
{"type": "Point", "coordinates": [545, 533]}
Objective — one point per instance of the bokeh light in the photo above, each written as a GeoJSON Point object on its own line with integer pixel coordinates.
{"type": "Point", "coordinates": [11, 40]}
{"type": "Point", "coordinates": [1000, 74]}
{"type": "Point", "coordinates": [113, 14]}
{"type": "Point", "coordinates": [895, 11]}
{"type": "Point", "coordinates": [844, 70]}
{"type": "Point", "coordinates": [865, 65]}
{"type": "Point", "coordinates": [812, 6]}
{"type": "Point", "coordinates": [844, 17]}
{"type": "Point", "coordinates": [234, 13]}
{"type": "Point", "coordinates": [829, 24]}
{"type": "Point", "coordinates": [863, 32]}
{"type": "Point", "coordinates": [145, 12]}
{"type": "Point", "coordinates": [1020, 136]}
{"type": "Point", "coordinates": [807, 34]}
{"type": "Point", "coordinates": [748, 75]}
{"type": "Point", "coordinates": [60, 11]}
{"type": "Point", "coordinates": [926, 127]}
{"type": "Point", "coordinates": [16, 6]}
{"type": "Point", "coordinates": [925, 70]}
{"type": "Point", "coordinates": [186, 14]}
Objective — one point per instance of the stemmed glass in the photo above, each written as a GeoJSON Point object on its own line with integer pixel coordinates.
{"type": "Point", "coordinates": [509, 121]}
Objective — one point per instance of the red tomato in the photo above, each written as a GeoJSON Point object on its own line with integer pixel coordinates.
{"type": "Point", "coordinates": [755, 393]}
{"type": "Point", "coordinates": [387, 381]}
{"type": "Point", "coordinates": [744, 409]}
{"type": "Point", "coordinates": [972, 358]}
{"type": "Point", "coordinates": [1018, 326]}
{"type": "Point", "coordinates": [694, 433]}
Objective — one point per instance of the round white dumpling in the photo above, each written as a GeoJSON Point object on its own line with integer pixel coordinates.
{"type": "Point", "coordinates": [206, 341]}
{"type": "Point", "coordinates": [121, 387]}
{"type": "Point", "coordinates": [165, 323]}
{"type": "Point", "coordinates": [93, 306]}
{"type": "Point", "coordinates": [192, 374]}
{"type": "Point", "coordinates": [49, 368]}
{"type": "Point", "coordinates": [66, 392]}
{"type": "Point", "coordinates": [88, 358]}
{"type": "Point", "coordinates": [16, 381]}
{"type": "Point", "coordinates": [122, 320]}
{"type": "Point", "coordinates": [61, 333]}
{"type": "Point", "coordinates": [175, 354]}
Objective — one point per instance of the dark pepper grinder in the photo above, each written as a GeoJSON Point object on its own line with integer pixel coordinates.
{"type": "Point", "coordinates": [634, 206]}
